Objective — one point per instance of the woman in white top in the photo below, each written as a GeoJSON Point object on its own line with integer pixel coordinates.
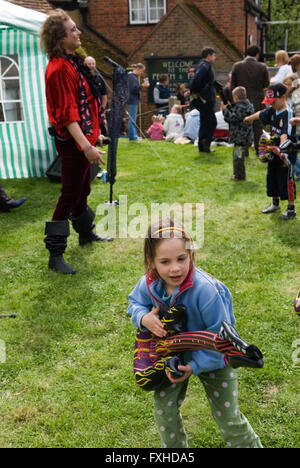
{"type": "Point", "coordinates": [281, 59]}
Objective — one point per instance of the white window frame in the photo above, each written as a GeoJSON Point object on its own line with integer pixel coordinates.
{"type": "Point", "coordinates": [3, 79]}
{"type": "Point", "coordinates": [164, 8]}
{"type": "Point", "coordinates": [147, 12]}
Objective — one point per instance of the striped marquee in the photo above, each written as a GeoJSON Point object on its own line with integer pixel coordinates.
{"type": "Point", "coordinates": [26, 150]}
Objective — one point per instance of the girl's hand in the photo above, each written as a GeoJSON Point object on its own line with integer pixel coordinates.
{"type": "Point", "coordinates": [153, 324]}
{"type": "Point", "coordinates": [187, 369]}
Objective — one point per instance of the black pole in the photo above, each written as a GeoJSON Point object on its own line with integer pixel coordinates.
{"type": "Point", "coordinates": [111, 193]}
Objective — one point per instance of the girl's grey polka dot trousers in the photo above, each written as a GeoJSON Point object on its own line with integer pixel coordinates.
{"type": "Point", "coordinates": [221, 387]}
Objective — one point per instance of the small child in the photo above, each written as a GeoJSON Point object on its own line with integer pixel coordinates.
{"type": "Point", "coordinates": [174, 124]}
{"type": "Point", "coordinates": [280, 181]}
{"type": "Point", "coordinates": [240, 133]}
{"type": "Point", "coordinates": [182, 94]}
{"type": "Point", "coordinates": [172, 279]}
{"type": "Point", "coordinates": [156, 130]}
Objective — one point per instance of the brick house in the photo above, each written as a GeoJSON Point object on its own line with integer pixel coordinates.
{"type": "Point", "coordinates": [159, 32]}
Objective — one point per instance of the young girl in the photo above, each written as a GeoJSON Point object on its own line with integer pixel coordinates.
{"type": "Point", "coordinates": [172, 278]}
{"type": "Point", "coordinates": [174, 124]}
{"type": "Point", "coordinates": [156, 130]}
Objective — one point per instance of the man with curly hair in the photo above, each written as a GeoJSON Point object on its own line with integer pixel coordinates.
{"type": "Point", "coordinates": [74, 106]}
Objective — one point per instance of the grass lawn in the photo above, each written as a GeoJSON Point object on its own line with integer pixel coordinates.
{"type": "Point", "coordinates": [67, 380]}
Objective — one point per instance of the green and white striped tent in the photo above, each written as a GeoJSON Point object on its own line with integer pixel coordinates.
{"type": "Point", "coordinates": [26, 149]}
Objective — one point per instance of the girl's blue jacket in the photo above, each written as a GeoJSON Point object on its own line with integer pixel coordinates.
{"type": "Point", "coordinates": [208, 302]}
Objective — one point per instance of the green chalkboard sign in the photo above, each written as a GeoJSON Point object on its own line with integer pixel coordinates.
{"type": "Point", "coordinates": [176, 68]}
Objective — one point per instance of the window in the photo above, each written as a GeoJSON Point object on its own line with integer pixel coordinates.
{"type": "Point", "coordinates": [11, 109]}
{"type": "Point", "coordinates": [146, 11]}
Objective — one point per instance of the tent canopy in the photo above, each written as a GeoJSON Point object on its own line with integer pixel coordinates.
{"type": "Point", "coordinates": [15, 16]}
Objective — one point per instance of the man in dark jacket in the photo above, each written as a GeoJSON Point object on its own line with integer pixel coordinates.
{"type": "Point", "coordinates": [252, 75]}
{"type": "Point", "coordinates": [204, 93]}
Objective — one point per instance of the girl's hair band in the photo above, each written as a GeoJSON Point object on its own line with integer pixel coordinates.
{"type": "Point", "coordinates": [171, 228]}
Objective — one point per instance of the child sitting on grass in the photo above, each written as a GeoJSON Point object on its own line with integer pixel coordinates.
{"type": "Point", "coordinates": [156, 130]}
{"type": "Point", "coordinates": [240, 133]}
{"type": "Point", "coordinates": [174, 124]}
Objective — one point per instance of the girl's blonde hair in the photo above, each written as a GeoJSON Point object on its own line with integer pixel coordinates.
{"type": "Point", "coordinates": [165, 228]}
{"type": "Point", "coordinates": [294, 79]}
{"type": "Point", "coordinates": [281, 56]}
{"type": "Point", "coordinates": [158, 118]}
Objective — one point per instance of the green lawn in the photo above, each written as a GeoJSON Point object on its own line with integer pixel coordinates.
{"type": "Point", "coordinates": [67, 380]}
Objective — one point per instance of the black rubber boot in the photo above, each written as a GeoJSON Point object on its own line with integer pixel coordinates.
{"type": "Point", "coordinates": [56, 242]}
{"type": "Point", "coordinates": [84, 225]}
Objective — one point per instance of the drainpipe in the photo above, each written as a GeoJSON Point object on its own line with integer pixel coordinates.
{"type": "Point", "coordinates": [246, 8]}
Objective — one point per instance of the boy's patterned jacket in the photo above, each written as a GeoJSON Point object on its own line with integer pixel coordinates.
{"type": "Point", "coordinates": [240, 133]}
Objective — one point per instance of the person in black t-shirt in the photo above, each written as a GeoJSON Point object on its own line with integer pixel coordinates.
{"type": "Point", "coordinates": [280, 181]}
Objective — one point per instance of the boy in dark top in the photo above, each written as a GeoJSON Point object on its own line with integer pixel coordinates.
{"type": "Point", "coordinates": [240, 132]}
{"type": "Point", "coordinates": [280, 182]}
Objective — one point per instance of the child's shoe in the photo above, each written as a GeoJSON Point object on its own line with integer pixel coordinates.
{"type": "Point", "coordinates": [288, 214]}
{"type": "Point", "coordinates": [271, 208]}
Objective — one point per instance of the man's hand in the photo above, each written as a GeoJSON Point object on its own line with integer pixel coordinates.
{"type": "Point", "coordinates": [187, 370]}
{"type": "Point", "coordinates": [100, 140]}
{"type": "Point", "coordinates": [295, 121]}
{"type": "Point", "coordinates": [93, 155]}
{"type": "Point", "coordinates": [153, 324]}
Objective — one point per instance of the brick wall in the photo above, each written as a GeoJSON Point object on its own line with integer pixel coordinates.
{"type": "Point", "coordinates": [179, 34]}
{"type": "Point", "coordinates": [228, 16]}
{"type": "Point", "coordinates": [111, 18]}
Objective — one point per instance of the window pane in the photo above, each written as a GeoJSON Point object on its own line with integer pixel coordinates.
{"type": "Point", "coordinates": [8, 67]}
{"type": "Point", "coordinates": [11, 90]}
{"type": "Point", "coordinates": [142, 15]}
{"type": "Point", "coordinates": [156, 10]}
{"type": "Point", "coordinates": [157, 4]}
{"type": "Point", "coordinates": [11, 109]}
{"type": "Point", "coordinates": [13, 112]}
{"type": "Point", "coordinates": [138, 12]}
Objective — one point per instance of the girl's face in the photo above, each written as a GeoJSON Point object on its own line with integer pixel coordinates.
{"type": "Point", "coordinates": [289, 85]}
{"type": "Point", "coordinates": [172, 262]}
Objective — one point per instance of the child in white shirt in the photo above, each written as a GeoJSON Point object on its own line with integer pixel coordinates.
{"type": "Point", "coordinates": [174, 124]}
